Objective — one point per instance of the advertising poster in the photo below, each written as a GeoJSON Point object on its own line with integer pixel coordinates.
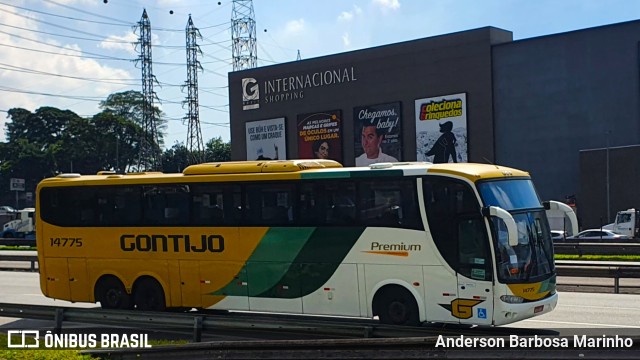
{"type": "Point", "coordinates": [266, 140]}
{"type": "Point", "coordinates": [377, 133]}
{"type": "Point", "coordinates": [319, 135]}
{"type": "Point", "coordinates": [441, 129]}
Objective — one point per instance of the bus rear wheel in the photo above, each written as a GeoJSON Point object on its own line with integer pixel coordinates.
{"type": "Point", "coordinates": [148, 295]}
{"type": "Point", "coordinates": [111, 294]}
{"type": "Point", "coordinates": [395, 305]}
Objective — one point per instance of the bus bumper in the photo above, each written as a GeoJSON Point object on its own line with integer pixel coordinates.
{"type": "Point", "coordinates": [505, 313]}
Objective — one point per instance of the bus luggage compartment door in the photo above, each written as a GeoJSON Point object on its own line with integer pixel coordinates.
{"type": "Point", "coordinates": [57, 271]}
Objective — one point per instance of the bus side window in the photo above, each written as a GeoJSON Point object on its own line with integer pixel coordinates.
{"type": "Point", "coordinates": [166, 205]}
{"type": "Point", "coordinates": [269, 205]}
{"type": "Point", "coordinates": [309, 204]}
{"type": "Point", "coordinates": [473, 257]}
{"type": "Point", "coordinates": [381, 203]}
{"type": "Point", "coordinates": [341, 203]}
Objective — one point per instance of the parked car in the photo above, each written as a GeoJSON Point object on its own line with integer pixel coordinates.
{"type": "Point", "coordinates": [598, 235]}
{"type": "Point", "coordinates": [7, 209]}
{"type": "Point", "coordinates": [558, 235]}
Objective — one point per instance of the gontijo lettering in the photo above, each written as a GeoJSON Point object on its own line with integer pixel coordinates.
{"type": "Point", "coordinates": [171, 243]}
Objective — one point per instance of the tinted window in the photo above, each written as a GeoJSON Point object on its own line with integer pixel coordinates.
{"type": "Point", "coordinates": [270, 204]}
{"type": "Point", "coordinates": [388, 202]}
{"type": "Point", "coordinates": [215, 204]}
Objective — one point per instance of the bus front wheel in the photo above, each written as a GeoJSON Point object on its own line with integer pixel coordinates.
{"type": "Point", "coordinates": [111, 294]}
{"type": "Point", "coordinates": [395, 305]}
{"type": "Point", "coordinates": [148, 295]}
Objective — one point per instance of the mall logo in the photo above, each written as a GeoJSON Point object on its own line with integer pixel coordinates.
{"type": "Point", "coordinates": [250, 94]}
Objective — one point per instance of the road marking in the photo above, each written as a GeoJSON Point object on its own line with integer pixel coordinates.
{"type": "Point", "coordinates": [587, 324]}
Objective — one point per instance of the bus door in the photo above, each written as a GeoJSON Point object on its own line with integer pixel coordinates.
{"type": "Point", "coordinates": [452, 218]}
{"type": "Point", "coordinates": [474, 303]}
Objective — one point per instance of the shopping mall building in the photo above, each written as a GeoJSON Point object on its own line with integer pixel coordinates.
{"type": "Point", "coordinates": [564, 107]}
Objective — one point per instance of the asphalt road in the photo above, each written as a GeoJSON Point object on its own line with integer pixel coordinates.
{"type": "Point", "coordinates": [576, 310]}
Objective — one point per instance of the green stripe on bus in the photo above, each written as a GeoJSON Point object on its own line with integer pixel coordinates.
{"type": "Point", "coordinates": [316, 263]}
{"type": "Point", "coordinates": [325, 175]}
{"type": "Point", "coordinates": [269, 262]}
{"type": "Point", "coordinates": [351, 174]}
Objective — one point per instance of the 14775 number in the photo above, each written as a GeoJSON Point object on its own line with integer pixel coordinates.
{"type": "Point", "coordinates": [66, 242]}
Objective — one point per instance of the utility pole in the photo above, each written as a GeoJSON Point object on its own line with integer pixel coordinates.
{"type": "Point", "coordinates": [195, 144]}
{"type": "Point", "coordinates": [243, 35]}
{"type": "Point", "coordinates": [149, 156]}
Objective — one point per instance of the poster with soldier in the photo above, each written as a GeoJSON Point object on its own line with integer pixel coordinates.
{"type": "Point", "coordinates": [266, 139]}
{"type": "Point", "coordinates": [441, 129]}
{"type": "Point", "coordinates": [377, 130]}
{"type": "Point", "coordinates": [319, 135]}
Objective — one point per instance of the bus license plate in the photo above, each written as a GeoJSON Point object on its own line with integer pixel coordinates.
{"type": "Point", "coordinates": [538, 309]}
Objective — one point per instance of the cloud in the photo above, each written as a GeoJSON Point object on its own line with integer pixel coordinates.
{"type": "Point", "coordinates": [347, 16]}
{"type": "Point", "coordinates": [31, 71]}
{"type": "Point", "coordinates": [73, 2]}
{"type": "Point", "coordinates": [124, 42]}
{"type": "Point", "coordinates": [295, 26]}
{"type": "Point", "coordinates": [387, 4]}
{"type": "Point", "coordinates": [346, 41]}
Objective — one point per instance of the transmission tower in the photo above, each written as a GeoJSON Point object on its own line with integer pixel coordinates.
{"type": "Point", "coordinates": [149, 156]}
{"type": "Point", "coordinates": [195, 145]}
{"type": "Point", "coordinates": [243, 35]}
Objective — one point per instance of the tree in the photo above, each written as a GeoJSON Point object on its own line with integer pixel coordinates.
{"type": "Point", "coordinates": [119, 145]}
{"type": "Point", "coordinates": [217, 150]}
{"type": "Point", "coordinates": [176, 159]}
{"type": "Point", "coordinates": [130, 105]}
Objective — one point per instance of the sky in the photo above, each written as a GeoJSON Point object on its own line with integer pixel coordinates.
{"type": "Point", "coordinates": [71, 54]}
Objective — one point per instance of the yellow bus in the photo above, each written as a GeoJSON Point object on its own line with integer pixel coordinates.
{"type": "Point", "coordinates": [406, 242]}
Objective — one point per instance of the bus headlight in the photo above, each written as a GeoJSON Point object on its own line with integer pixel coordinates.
{"type": "Point", "coordinates": [512, 299]}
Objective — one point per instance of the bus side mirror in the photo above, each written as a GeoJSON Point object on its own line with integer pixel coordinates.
{"type": "Point", "coordinates": [568, 212]}
{"type": "Point", "coordinates": [510, 223]}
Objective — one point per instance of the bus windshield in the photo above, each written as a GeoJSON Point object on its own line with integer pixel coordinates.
{"type": "Point", "coordinates": [532, 259]}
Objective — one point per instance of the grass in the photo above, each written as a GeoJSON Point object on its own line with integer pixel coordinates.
{"type": "Point", "coordinates": [24, 248]}
{"type": "Point", "coordinates": [58, 354]}
{"type": "Point", "coordinates": [598, 257]}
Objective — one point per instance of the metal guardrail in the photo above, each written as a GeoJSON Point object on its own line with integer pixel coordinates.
{"type": "Point", "coordinates": [199, 322]}
{"type": "Point", "coordinates": [569, 248]}
{"type": "Point", "coordinates": [413, 348]}
{"type": "Point", "coordinates": [33, 259]}
{"type": "Point", "coordinates": [603, 269]}
{"type": "Point", "coordinates": [17, 242]}
{"type": "Point", "coordinates": [399, 342]}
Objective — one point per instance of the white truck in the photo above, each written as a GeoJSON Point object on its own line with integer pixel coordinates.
{"type": "Point", "coordinates": [627, 223]}
{"type": "Point", "coordinates": [21, 227]}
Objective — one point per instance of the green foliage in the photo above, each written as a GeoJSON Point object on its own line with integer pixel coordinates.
{"type": "Point", "coordinates": [129, 105]}
{"type": "Point", "coordinates": [598, 257]}
{"type": "Point", "coordinates": [217, 150]}
{"type": "Point", "coordinates": [50, 141]}
{"type": "Point", "coordinates": [177, 158]}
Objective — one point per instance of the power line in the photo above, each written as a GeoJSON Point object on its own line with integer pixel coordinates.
{"type": "Point", "coordinates": [64, 17]}
{"type": "Point", "coordinates": [86, 12]}
{"type": "Point", "coordinates": [100, 57]}
{"type": "Point", "coordinates": [9, 67]}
